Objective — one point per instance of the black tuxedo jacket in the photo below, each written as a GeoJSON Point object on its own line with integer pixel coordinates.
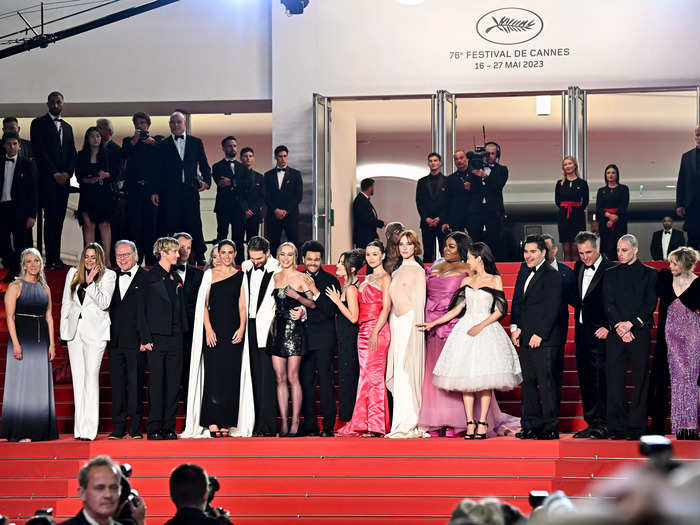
{"type": "Point", "coordinates": [142, 164]}
{"type": "Point", "coordinates": [25, 149]}
{"type": "Point", "coordinates": [320, 321]}
{"type": "Point", "coordinates": [171, 166]}
{"type": "Point", "coordinates": [491, 189]}
{"type": "Point", "coordinates": [52, 155]}
{"type": "Point", "coordinates": [232, 199]}
{"type": "Point", "coordinates": [540, 307]}
{"type": "Point", "coordinates": [688, 184]}
{"type": "Point", "coordinates": [592, 305]}
{"type": "Point", "coordinates": [630, 295]}
{"type": "Point", "coordinates": [190, 516]}
{"type": "Point", "coordinates": [567, 280]}
{"type": "Point", "coordinates": [114, 161]}
{"type": "Point", "coordinates": [287, 198]}
{"type": "Point", "coordinates": [79, 519]}
{"type": "Point", "coordinates": [24, 189]}
{"type": "Point", "coordinates": [193, 279]}
{"type": "Point", "coordinates": [364, 221]}
{"type": "Point", "coordinates": [459, 200]}
{"type": "Point", "coordinates": [432, 204]}
{"type": "Point", "coordinates": [657, 250]}
{"type": "Point", "coordinates": [256, 195]}
{"type": "Point", "coordinates": [123, 313]}
{"type": "Point", "coordinates": [154, 314]}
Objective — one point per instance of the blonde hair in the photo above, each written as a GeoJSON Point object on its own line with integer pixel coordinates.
{"type": "Point", "coordinates": [41, 277]}
{"type": "Point", "coordinates": [413, 239]}
{"type": "Point", "coordinates": [79, 276]}
{"type": "Point", "coordinates": [685, 257]}
{"type": "Point", "coordinates": [164, 244]}
{"type": "Point", "coordinates": [563, 173]}
{"type": "Point", "coordinates": [296, 253]}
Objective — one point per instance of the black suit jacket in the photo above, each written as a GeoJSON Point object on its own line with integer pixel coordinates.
{"type": "Point", "coordinates": [256, 195]}
{"type": "Point", "coordinates": [25, 149]}
{"type": "Point", "coordinates": [154, 314]}
{"type": "Point", "coordinates": [232, 199]}
{"type": "Point", "coordinates": [592, 305]}
{"type": "Point", "coordinates": [320, 321]}
{"type": "Point", "coordinates": [540, 307]}
{"type": "Point", "coordinates": [364, 221]}
{"type": "Point", "coordinates": [193, 279]}
{"type": "Point", "coordinates": [24, 190]}
{"type": "Point", "coordinates": [688, 184]}
{"type": "Point", "coordinates": [142, 164]}
{"type": "Point", "coordinates": [630, 303]}
{"type": "Point", "coordinates": [432, 204]}
{"type": "Point", "coordinates": [171, 166]}
{"type": "Point", "coordinates": [50, 154]}
{"type": "Point", "coordinates": [287, 198]}
{"type": "Point", "coordinates": [114, 161]}
{"type": "Point", "coordinates": [79, 519]}
{"type": "Point", "coordinates": [123, 313]}
{"type": "Point", "coordinates": [567, 279]}
{"type": "Point", "coordinates": [657, 250]}
{"type": "Point", "coordinates": [190, 516]}
{"type": "Point", "coordinates": [459, 200]}
{"type": "Point", "coordinates": [491, 189]}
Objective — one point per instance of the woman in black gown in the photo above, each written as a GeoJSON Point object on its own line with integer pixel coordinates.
{"type": "Point", "coordinates": [28, 409]}
{"type": "Point", "coordinates": [571, 197]}
{"type": "Point", "coordinates": [224, 325]}
{"type": "Point", "coordinates": [96, 199]}
{"type": "Point", "coordinates": [611, 209]}
{"type": "Point", "coordinates": [346, 326]}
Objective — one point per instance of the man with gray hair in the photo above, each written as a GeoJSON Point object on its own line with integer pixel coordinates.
{"type": "Point", "coordinates": [629, 291]}
{"type": "Point", "coordinates": [99, 487]}
{"type": "Point", "coordinates": [126, 361]}
{"type": "Point", "coordinates": [178, 184]}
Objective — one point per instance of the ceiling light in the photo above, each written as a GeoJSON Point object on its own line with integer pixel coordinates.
{"type": "Point", "coordinates": [410, 2]}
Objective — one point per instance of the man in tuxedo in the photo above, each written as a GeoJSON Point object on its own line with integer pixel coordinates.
{"type": "Point", "coordinates": [179, 184]}
{"type": "Point", "coordinates": [320, 340]}
{"type": "Point", "coordinates": [162, 321]}
{"type": "Point", "coordinates": [140, 179]}
{"type": "Point", "coordinates": [432, 204]}
{"type": "Point", "coordinates": [364, 216]}
{"type": "Point", "coordinates": [283, 193]}
{"type": "Point", "coordinates": [191, 278]}
{"type": "Point", "coordinates": [629, 289]}
{"type": "Point", "coordinates": [486, 211]}
{"type": "Point", "coordinates": [666, 240]}
{"type": "Point", "coordinates": [260, 305]}
{"type": "Point", "coordinates": [459, 195]}
{"type": "Point", "coordinates": [536, 330]}
{"type": "Point", "coordinates": [232, 190]}
{"type": "Point", "coordinates": [18, 201]}
{"type": "Point", "coordinates": [11, 125]}
{"type": "Point", "coordinates": [54, 152]}
{"type": "Point", "coordinates": [591, 332]}
{"type": "Point", "coordinates": [688, 192]}
{"type": "Point", "coordinates": [256, 198]}
{"type": "Point", "coordinates": [127, 362]}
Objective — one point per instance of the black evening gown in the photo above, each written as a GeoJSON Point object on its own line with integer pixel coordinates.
{"type": "Point", "coordinates": [615, 200]}
{"type": "Point", "coordinates": [28, 408]}
{"type": "Point", "coordinates": [572, 219]}
{"type": "Point", "coordinates": [348, 366]}
{"type": "Point", "coordinates": [222, 363]}
{"type": "Point", "coordinates": [286, 334]}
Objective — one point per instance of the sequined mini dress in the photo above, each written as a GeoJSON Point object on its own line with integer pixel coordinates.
{"type": "Point", "coordinates": [286, 334]}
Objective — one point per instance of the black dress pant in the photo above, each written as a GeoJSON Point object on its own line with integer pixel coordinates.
{"type": "Point", "coordinates": [658, 386]}
{"type": "Point", "coordinates": [264, 385]}
{"type": "Point", "coordinates": [486, 227]}
{"type": "Point", "coordinates": [538, 388]}
{"type": "Point", "coordinates": [141, 217]}
{"type": "Point", "coordinates": [236, 221]}
{"type": "Point", "coordinates": [590, 365]}
{"type": "Point", "coordinates": [13, 237]}
{"type": "Point", "coordinates": [127, 367]}
{"type": "Point", "coordinates": [165, 364]}
{"type": "Point", "coordinates": [623, 417]}
{"type": "Point", "coordinates": [322, 361]}
{"type": "Point", "coordinates": [429, 236]}
{"type": "Point", "coordinates": [54, 201]}
{"type": "Point", "coordinates": [290, 225]}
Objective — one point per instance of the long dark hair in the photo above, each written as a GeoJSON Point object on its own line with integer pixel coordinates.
{"type": "Point", "coordinates": [86, 142]}
{"type": "Point", "coordinates": [463, 241]}
{"type": "Point", "coordinates": [617, 172]}
{"type": "Point", "coordinates": [479, 249]}
{"type": "Point", "coordinates": [379, 245]}
{"type": "Point", "coordinates": [353, 259]}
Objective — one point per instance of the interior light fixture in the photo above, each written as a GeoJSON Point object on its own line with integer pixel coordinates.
{"type": "Point", "coordinates": [543, 104]}
{"type": "Point", "coordinates": [410, 2]}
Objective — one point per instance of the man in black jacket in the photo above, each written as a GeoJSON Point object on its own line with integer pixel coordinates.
{"type": "Point", "coordinates": [256, 197]}
{"type": "Point", "coordinates": [162, 321]}
{"type": "Point", "coordinates": [629, 289]}
{"type": "Point", "coordinates": [459, 195]}
{"type": "Point", "coordinates": [688, 192]}
{"type": "Point", "coordinates": [18, 199]}
{"type": "Point", "coordinates": [537, 332]}
{"type": "Point", "coordinates": [127, 362]}
{"type": "Point", "coordinates": [179, 186]}
{"type": "Point", "coordinates": [432, 203]}
{"type": "Point", "coordinates": [11, 125]}
{"type": "Point", "coordinates": [364, 216]}
{"type": "Point", "coordinates": [320, 344]}
{"type": "Point", "coordinates": [140, 179]}
{"type": "Point", "coordinates": [591, 332]}
{"type": "Point", "coordinates": [189, 490]}
{"type": "Point", "coordinates": [283, 193]}
{"type": "Point", "coordinates": [54, 151]}
{"type": "Point", "coordinates": [666, 240]}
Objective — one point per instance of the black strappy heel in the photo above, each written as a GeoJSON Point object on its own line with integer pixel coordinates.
{"type": "Point", "coordinates": [472, 435]}
{"type": "Point", "coordinates": [481, 436]}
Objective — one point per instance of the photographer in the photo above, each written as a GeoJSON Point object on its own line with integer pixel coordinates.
{"type": "Point", "coordinates": [189, 490]}
{"type": "Point", "coordinates": [487, 178]}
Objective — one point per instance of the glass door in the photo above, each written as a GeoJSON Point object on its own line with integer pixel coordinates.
{"type": "Point", "coordinates": [322, 219]}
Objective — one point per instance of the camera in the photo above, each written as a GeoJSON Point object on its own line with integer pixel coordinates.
{"type": "Point", "coordinates": [42, 517]}
{"type": "Point", "coordinates": [476, 158]}
{"type": "Point", "coordinates": [218, 513]}
{"type": "Point", "coordinates": [143, 134]}
{"type": "Point", "coordinates": [127, 494]}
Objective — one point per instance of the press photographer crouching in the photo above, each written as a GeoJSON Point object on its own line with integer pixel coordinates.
{"type": "Point", "coordinates": [189, 490]}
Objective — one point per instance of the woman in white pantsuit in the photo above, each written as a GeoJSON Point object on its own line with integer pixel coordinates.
{"type": "Point", "coordinates": [85, 326]}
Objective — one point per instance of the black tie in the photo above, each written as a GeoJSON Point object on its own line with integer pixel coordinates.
{"type": "Point", "coordinates": [179, 267]}
{"type": "Point", "coordinates": [256, 269]}
{"type": "Point", "coordinates": [178, 137]}
{"type": "Point", "coordinates": [533, 269]}
{"type": "Point", "coordinates": [120, 273]}
{"type": "Point", "coordinates": [8, 159]}
{"type": "Point", "coordinates": [665, 233]}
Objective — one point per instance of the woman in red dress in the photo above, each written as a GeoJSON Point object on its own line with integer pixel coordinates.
{"type": "Point", "coordinates": [371, 415]}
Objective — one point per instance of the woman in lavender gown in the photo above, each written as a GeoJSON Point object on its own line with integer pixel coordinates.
{"type": "Point", "coordinates": [679, 289]}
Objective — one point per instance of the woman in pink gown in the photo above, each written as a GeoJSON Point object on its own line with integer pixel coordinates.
{"type": "Point", "coordinates": [371, 414]}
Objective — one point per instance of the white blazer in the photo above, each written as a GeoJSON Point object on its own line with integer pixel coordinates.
{"type": "Point", "coordinates": [93, 310]}
{"type": "Point", "coordinates": [266, 313]}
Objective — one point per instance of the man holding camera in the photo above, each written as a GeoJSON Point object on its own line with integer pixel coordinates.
{"type": "Point", "coordinates": [189, 490]}
{"type": "Point", "coordinates": [487, 178]}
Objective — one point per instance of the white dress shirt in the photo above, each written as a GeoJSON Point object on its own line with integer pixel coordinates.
{"type": "Point", "coordinates": [59, 126]}
{"type": "Point", "coordinates": [180, 146]}
{"type": "Point", "coordinates": [665, 240]}
{"type": "Point", "coordinates": [280, 176]}
{"type": "Point", "coordinates": [91, 521]}
{"type": "Point", "coordinates": [588, 274]}
{"type": "Point", "coordinates": [255, 282]}
{"type": "Point", "coordinates": [9, 176]}
{"type": "Point", "coordinates": [125, 281]}
{"type": "Point", "coordinates": [182, 273]}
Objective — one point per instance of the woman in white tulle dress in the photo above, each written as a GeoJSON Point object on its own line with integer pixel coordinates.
{"type": "Point", "coordinates": [478, 356]}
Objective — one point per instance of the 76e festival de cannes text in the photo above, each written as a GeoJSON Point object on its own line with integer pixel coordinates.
{"type": "Point", "coordinates": [509, 58]}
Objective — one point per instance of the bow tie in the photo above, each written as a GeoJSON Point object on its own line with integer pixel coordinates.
{"type": "Point", "coordinates": [8, 159]}
{"type": "Point", "coordinates": [179, 267]}
{"type": "Point", "coordinates": [281, 170]}
{"type": "Point", "coordinates": [178, 137]}
{"type": "Point", "coordinates": [230, 161]}
{"type": "Point", "coordinates": [533, 269]}
{"type": "Point", "coordinates": [57, 119]}
{"type": "Point", "coordinates": [256, 269]}
{"type": "Point", "coordinates": [665, 232]}
{"type": "Point", "coordinates": [591, 267]}
{"type": "Point", "coordinates": [120, 273]}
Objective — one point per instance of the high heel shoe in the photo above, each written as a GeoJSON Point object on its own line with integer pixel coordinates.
{"type": "Point", "coordinates": [483, 424]}
{"type": "Point", "coordinates": [468, 435]}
